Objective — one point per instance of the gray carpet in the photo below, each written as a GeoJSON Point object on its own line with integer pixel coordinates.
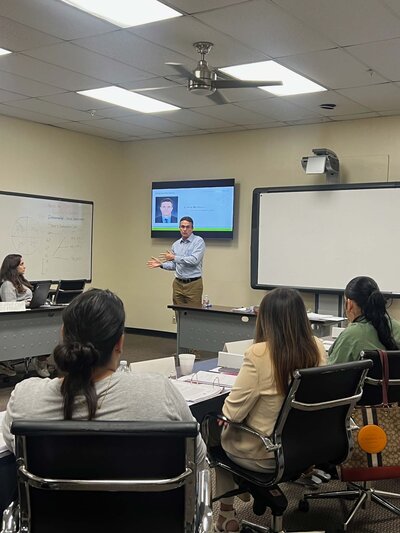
{"type": "Point", "coordinates": [326, 515]}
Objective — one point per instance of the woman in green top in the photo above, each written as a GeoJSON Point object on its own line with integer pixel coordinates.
{"type": "Point", "coordinates": [370, 325]}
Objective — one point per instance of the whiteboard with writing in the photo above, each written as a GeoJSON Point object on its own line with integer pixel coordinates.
{"type": "Point", "coordinates": [53, 235]}
{"type": "Point", "coordinates": [318, 238]}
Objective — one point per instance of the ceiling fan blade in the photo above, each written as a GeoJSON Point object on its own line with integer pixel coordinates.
{"type": "Point", "coordinates": [241, 84]}
{"type": "Point", "coordinates": [218, 98]}
{"type": "Point", "coordinates": [154, 88]}
{"type": "Point", "coordinates": [178, 67]}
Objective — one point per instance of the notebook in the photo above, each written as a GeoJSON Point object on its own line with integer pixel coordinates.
{"type": "Point", "coordinates": [40, 295]}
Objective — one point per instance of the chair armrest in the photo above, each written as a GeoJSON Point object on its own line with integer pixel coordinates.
{"type": "Point", "coordinates": [204, 515]}
{"type": "Point", "coordinates": [268, 443]}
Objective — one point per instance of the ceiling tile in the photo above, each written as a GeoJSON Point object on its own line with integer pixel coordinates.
{"type": "Point", "coordinates": [194, 6]}
{"type": "Point", "coordinates": [314, 100]}
{"type": "Point", "coordinates": [78, 59]}
{"type": "Point", "coordinates": [382, 58]}
{"type": "Point", "coordinates": [26, 114]}
{"type": "Point", "coordinates": [278, 109]}
{"type": "Point", "coordinates": [332, 69]}
{"type": "Point", "coordinates": [375, 97]}
{"type": "Point", "coordinates": [45, 73]}
{"type": "Point", "coordinates": [92, 130]}
{"type": "Point", "coordinates": [54, 17]}
{"type": "Point", "coordinates": [232, 113]}
{"type": "Point", "coordinates": [157, 123]}
{"type": "Point", "coordinates": [265, 27]}
{"type": "Point", "coordinates": [52, 110]}
{"type": "Point", "coordinates": [17, 37]}
{"type": "Point", "coordinates": [346, 21]}
{"type": "Point", "coordinates": [121, 127]}
{"type": "Point", "coordinates": [22, 85]}
{"type": "Point", "coordinates": [191, 118]}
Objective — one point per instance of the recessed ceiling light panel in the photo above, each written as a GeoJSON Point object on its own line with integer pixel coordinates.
{"type": "Point", "coordinates": [292, 83]}
{"type": "Point", "coordinates": [4, 52]}
{"type": "Point", "coordinates": [126, 13]}
{"type": "Point", "coordinates": [130, 100]}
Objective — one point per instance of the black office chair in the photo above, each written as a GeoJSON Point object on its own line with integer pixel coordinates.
{"type": "Point", "coordinates": [313, 427]}
{"type": "Point", "coordinates": [359, 480]}
{"type": "Point", "coordinates": [68, 289]}
{"type": "Point", "coordinates": [100, 477]}
{"type": "Point", "coordinates": [372, 394]}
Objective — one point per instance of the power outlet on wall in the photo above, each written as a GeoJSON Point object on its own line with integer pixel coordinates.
{"type": "Point", "coordinates": [174, 319]}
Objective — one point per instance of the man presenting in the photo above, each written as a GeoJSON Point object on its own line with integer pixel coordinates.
{"type": "Point", "coordinates": [166, 208]}
{"type": "Point", "coordinates": [186, 258]}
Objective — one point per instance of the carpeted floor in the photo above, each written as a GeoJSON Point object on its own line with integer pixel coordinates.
{"type": "Point", "coordinates": [327, 515]}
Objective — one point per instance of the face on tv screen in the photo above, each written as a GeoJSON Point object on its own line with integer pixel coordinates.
{"type": "Point", "coordinates": [210, 203]}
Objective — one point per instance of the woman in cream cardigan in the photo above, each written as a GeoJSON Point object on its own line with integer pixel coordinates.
{"type": "Point", "coordinates": [283, 343]}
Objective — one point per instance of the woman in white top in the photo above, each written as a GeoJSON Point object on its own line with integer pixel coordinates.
{"type": "Point", "coordinates": [16, 288]}
{"type": "Point", "coordinates": [89, 388]}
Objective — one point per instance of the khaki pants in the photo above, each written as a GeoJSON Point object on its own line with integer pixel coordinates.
{"type": "Point", "coordinates": [187, 293]}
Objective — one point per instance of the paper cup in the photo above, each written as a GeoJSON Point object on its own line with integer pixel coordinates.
{"type": "Point", "coordinates": [186, 362]}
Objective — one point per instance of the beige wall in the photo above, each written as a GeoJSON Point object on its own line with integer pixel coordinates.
{"type": "Point", "coordinates": [117, 177]}
{"type": "Point", "coordinates": [44, 160]}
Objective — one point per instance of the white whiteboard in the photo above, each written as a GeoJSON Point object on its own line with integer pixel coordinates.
{"type": "Point", "coordinates": [53, 235]}
{"type": "Point", "coordinates": [319, 238]}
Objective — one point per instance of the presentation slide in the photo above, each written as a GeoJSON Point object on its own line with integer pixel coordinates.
{"type": "Point", "coordinates": [204, 205]}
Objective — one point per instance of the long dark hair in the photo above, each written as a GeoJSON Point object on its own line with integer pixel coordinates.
{"type": "Point", "coordinates": [9, 272]}
{"type": "Point", "coordinates": [365, 292]}
{"type": "Point", "coordinates": [93, 324]}
{"type": "Point", "coordinates": [283, 323]}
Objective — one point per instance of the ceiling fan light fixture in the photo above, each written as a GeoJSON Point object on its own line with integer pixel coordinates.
{"type": "Point", "coordinates": [129, 99]}
{"type": "Point", "coordinates": [292, 83]}
{"type": "Point", "coordinates": [126, 14]}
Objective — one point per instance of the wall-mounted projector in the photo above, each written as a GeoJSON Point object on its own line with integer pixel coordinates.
{"type": "Point", "coordinates": [323, 161]}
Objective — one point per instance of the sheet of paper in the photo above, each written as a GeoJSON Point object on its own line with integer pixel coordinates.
{"type": "Point", "coordinates": [6, 307]}
{"type": "Point", "coordinates": [325, 318]}
{"type": "Point", "coordinates": [193, 392]}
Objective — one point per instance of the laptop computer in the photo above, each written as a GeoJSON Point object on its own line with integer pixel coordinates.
{"type": "Point", "coordinates": [40, 294]}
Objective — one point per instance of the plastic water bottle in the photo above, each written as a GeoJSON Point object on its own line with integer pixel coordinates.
{"type": "Point", "coordinates": [123, 366]}
{"type": "Point", "coordinates": [206, 301]}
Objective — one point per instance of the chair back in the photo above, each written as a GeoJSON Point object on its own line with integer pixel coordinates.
{"type": "Point", "coordinates": [68, 289]}
{"type": "Point", "coordinates": [313, 426]}
{"type": "Point", "coordinates": [372, 394]}
{"type": "Point", "coordinates": [92, 476]}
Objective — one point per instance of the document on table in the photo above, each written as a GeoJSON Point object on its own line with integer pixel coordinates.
{"type": "Point", "coordinates": [325, 318]}
{"type": "Point", "coordinates": [194, 392]}
{"type": "Point", "coordinates": [6, 307]}
{"type": "Point", "coordinates": [210, 378]}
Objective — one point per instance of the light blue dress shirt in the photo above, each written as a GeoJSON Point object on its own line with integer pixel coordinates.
{"type": "Point", "coordinates": [189, 255]}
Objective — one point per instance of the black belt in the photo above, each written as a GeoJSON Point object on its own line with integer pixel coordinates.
{"type": "Point", "coordinates": [187, 280]}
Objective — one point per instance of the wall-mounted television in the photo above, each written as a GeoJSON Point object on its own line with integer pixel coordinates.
{"type": "Point", "coordinates": [209, 202]}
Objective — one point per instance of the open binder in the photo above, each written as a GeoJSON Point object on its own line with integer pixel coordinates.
{"type": "Point", "coordinates": [193, 391]}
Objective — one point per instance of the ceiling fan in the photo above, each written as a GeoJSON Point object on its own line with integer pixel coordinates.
{"type": "Point", "coordinates": [206, 80]}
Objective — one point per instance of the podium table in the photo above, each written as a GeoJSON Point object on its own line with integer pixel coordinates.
{"type": "Point", "coordinates": [208, 328]}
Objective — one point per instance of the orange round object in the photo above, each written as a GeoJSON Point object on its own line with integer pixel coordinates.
{"type": "Point", "coordinates": [372, 438]}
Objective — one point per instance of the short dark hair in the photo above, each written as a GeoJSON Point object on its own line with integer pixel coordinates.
{"type": "Point", "coordinates": [166, 200]}
{"type": "Point", "coordinates": [188, 219]}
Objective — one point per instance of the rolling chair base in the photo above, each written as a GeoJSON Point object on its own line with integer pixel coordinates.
{"type": "Point", "coordinates": [362, 494]}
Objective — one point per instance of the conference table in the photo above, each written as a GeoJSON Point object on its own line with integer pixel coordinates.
{"type": "Point", "coordinates": [209, 328]}
{"type": "Point", "coordinates": [29, 333]}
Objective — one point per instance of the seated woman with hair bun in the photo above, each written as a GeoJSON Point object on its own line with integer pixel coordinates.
{"type": "Point", "coordinates": [89, 388]}
{"type": "Point", "coordinates": [370, 328]}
